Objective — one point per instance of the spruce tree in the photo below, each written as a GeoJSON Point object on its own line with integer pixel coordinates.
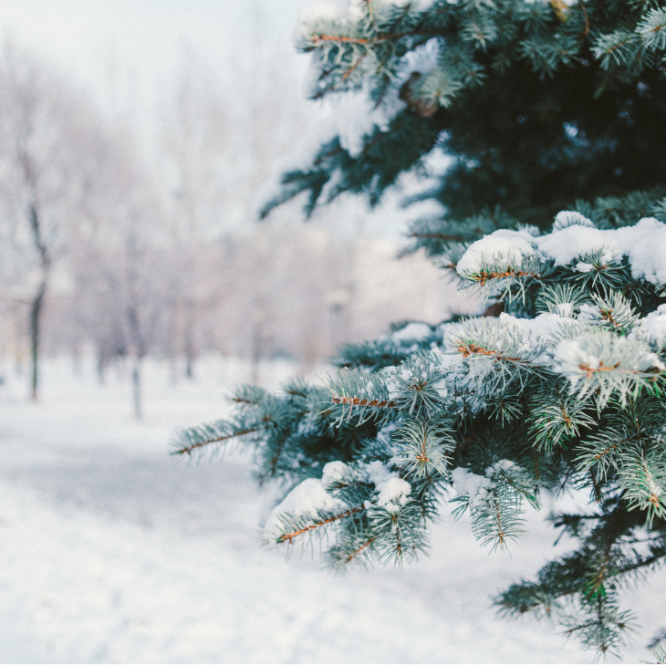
{"type": "Point", "coordinates": [554, 114]}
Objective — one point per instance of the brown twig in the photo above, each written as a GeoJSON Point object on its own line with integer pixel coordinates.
{"type": "Point", "coordinates": [605, 451]}
{"type": "Point", "coordinates": [318, 523]}
{"type": "Point", "coordinates": [198, 445]}
{"type": "Point", "coordinates": [608, 316]}
{"type": "Point", "coordinates": [422, 457]}
{"type": "Point", "coordinates": [351, 556]}
{"type": "Point", "coordinates": [350, 71]}
{"type": "Point", "coordinates": [363, 402]}
{"type": "Point", "coordinates": [589, 371]}
{"type": "Point", "coordinates": [484, 276]}
{"type": "Point", "coordinates": [318, 37]}
{"type": "Point", "coordinates": [469, 348]}
{"type": "Point", "coordinates": [500, 528]}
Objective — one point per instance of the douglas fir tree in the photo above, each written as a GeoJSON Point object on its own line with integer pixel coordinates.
{"type": "Point", "coordinates": [554, 114]}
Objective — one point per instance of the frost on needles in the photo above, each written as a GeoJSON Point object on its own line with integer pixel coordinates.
{"type": "Point", "coordinates": [563, 390]}
{"type": "Point", "coordinates": [554, 208]}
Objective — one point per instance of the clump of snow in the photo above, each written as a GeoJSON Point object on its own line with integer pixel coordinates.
{"type": "Point", "coordinates": [313, 496]}
{"type": "Point", "coordinates": [376, 472]}
{"type": "Point", "coordinates": [564, 245]}
{"type": "Point", "coordinates": [413, 332]}
{"type": "Point", "coordinates": [568, 218]}
{"type": "Point", "coordinates": [393, 385]}
{"type": "Point", "coordinates": [584, 267]}
{"type": "Point", "coordinates": [524, 336]}
{"type": "Point", "coordinates": [570, 355]}
{"type": "Point", "coordinates": [644, 245]}
{"type": "Point", "coordinates": [393, 494]}
{"type": "Point", "coordinates": [588, 353]}
{"type": "Point", "coordinates": [356, 116]}
{"type": "Point", "coordinates": [542, 327]}
{"type": "Point", "coordinates": [393, 491]}
{"type": "Point", "coordinates": [387, 430]}
{"type": "Point", "coordinates": [306, 500]}
{"type": "Point", "coordinates": [565, 310]}
{"type": "Point", "coordinates": [476, 487]}
{"type": "Point", "coordinates": [320, 12]}
{"type": "Point", "coordinates": [505, 246]}
{"type": "Point", "coordinates": [468, 484]}
{"type": "Point", "coordinates": [500, 466]}
{"type": "Point", "coordinates": [653, 327]}
{"type": "Point", "coordinates": [334, 472]}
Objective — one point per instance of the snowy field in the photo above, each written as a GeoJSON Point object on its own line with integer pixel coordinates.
{"type": "Point", "coordinates": [113, 551]}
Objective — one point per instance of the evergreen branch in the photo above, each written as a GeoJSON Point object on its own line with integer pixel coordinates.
{"type": "Point", "coordinates": [276, 456]}
{"type": "Point", "coordinates": [193, 433]}
{"type": "Point", "coordinates": [353, 67]}
{"type": "Point", "coordinates": [484, 276]}
{"type": "Point", "coordinates": [354, 554]}
{"type": "Point", "coordinates": [298, 394]}
{"type": "Point", "coordinates": [317, 39]}
{"type": "Point", "coordinates": [640, 564]}
{"type": "Point", "coordinates": [362, 402]}
{"type": "Point", "coordinates": [289, 537]}
{"type": "Point", "coordinates": [590, 371]}
{"type": "Point", "coordinates": [605, 452]}
{"type": "Point", "coordinates": [596, 585]}
{"type": "Point", "coordinates": [470, 348]}
{"type": "Point", "coordinates": [566, 387]}
{"type": "Point", "coordinates": [426, 445]}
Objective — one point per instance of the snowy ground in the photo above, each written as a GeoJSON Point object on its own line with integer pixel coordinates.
{"type": "Point", "coordinates": [113, 551]}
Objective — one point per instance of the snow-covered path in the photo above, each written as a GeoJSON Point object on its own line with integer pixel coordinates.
{"type": "Point", "coordinates": [112, 551]}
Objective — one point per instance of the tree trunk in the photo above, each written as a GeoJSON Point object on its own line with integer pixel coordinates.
{"type": "Point", "coordinates": [35, 332]}
{"type": "Point", "coordinates": [136, 385]}
{"type": "Point", "coordinates": [18, 357]}
{"type": "Point", "coordinates": [76, 362]}
{"type": "Point", "coordinates": [38, 301]}
{"type": "Point", "coordinates": [189, 351]}
{"type": "Point", "coordinates": [101, 363]}
{"type": "Point", "coordinates": [260, 314]}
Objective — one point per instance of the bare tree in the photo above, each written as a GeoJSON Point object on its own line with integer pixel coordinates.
{"type": "Point", "coordinates": [40, 116]}
{"type": "Point", "coordinates": [221, 140]}
{"type": "Point", "coordinates": [123, 263]}
{"type": "Point", "coordinates": [195, 140]}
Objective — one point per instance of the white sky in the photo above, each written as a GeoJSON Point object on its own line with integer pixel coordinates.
{"type": "Point", "coordinates": [128, 54]}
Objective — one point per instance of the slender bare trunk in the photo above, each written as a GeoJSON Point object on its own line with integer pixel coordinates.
{"type": "Point", "coordinates": [136, 385]}
{"type": "Point", "coordinates": [260, 305]}
{"type": "Point", "coordinates": [101, 364]}
{"type": "Point", "coordinates": [18, 358]}
{"type": "Point", "coordinates": [189, 349]}
{"type": "Point", "coordinates": [38, 301]}
{"type": "Point", "coordinates": [35, 336]}
{"type": "Point", "coordinates": [76, 362]}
